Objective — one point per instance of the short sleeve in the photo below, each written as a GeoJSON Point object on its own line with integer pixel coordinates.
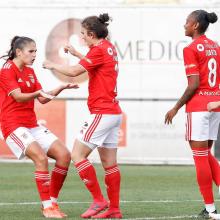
{"type": "Point", "coordinates": [93, 59]}
{"type": "Point", "coordinates": [8, 80]}
{"type": "Point", "coordinates": [190, 62]}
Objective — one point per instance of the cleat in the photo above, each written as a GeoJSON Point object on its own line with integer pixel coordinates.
{"type": "Point", "coordinates": [57, 208]}
{"type": "Point", "coordinates": [51, 213]}
{"type": "Point", "coordinates": [110, 213]}
{"type": "Point", "coordinates": [204, 214]}
{"type": "Point", "coordinates": [95, 208]}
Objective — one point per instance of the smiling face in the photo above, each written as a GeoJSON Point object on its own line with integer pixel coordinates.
{"type": "Point", "coordinates": [190, 26]}
{"type": "Point", "coordinates": [27, 54]}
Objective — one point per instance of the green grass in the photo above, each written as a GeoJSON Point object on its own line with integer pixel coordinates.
{"type": "Point", "coordinates": [140, 185]}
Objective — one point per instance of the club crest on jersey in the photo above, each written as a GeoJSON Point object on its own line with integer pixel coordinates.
{"type": "Point", "coordinates": [200, 47]}
{"type": "Point", "coordinates": [110, 51]}
{"type": "Point", "coordinates": [31, 78]}
{"type": "Point", "coordinates": [28, 84]}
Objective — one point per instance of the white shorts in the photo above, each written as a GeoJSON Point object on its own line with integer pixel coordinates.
{"type": "Point", "coordinates": [22, 137]}
{"type": "Point", "coordinates": [101, 130]}
{"type": "Point", "coordinates": [202, 126]}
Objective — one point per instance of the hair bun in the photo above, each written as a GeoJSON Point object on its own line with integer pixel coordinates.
{"type": "Point", "coordinates": [212, 17]}
{"type": "Point", "coordinates": [104, 18]}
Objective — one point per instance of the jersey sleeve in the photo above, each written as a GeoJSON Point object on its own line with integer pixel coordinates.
{"type": "Point", "coordinates": [93, 59]}
{"type": "Point", "coordinates": [8, 80]}
{"type": "Point", "coordinates": [190, 62]}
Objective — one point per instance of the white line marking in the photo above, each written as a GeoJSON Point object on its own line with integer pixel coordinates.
{"type": "Point", "coordinates": [123, 201]}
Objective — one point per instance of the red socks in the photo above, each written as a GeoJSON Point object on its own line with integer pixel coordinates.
{"type": "Point", "coordinates": [87, 174]}
{"type": "Point", "coordinates": [112, 181]}
{"type": "Point", "coordinates": [204, 173]}
{"type": "Point", "coordinates": [57, 179]}
{"type": "Point", "coordinates": [43, 184]}
{"type": "Point", "coordinates": [215, 168]}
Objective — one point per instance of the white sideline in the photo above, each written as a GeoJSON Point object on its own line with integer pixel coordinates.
{"type": "Point", "coordinates": [122, 201]}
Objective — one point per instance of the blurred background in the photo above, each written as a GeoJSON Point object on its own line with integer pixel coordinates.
{"type": "Point", "coordinates": [149, 38]}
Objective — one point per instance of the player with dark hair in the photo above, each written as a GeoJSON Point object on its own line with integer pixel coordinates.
{"type": "Point", "coordinates": [201, 60]}
{"type": "Point", "coordinates": [101, 129]}
{"type": "Point", "coordinates": [19, 88]}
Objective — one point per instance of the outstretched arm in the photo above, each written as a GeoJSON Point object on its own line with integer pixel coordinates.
{"type": "Point", "coordinates": [66, 70]}
{"type": "Point", "coordinates": [48, 96]}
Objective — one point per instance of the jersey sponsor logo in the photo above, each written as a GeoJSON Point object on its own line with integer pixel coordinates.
{"type": "Point", "coordinates": [200, 47]}
{"type": "Point", "coordinates": [209, 93]}
{"type": "Point", "coordinates": [20, 80]}
{"type": "Point", "coordinates": [7, 66]}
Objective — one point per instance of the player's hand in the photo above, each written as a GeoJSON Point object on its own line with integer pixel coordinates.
{"type": "Point", "coordinates": [170, 115]}
{"type": "Point", "coordinates": [212, 105]}
{"type": "Point", "coordinates": [70, 49]}
{"type": "Point", "coordinates": [70, 86]}
{"type": "Point", "coordinates": [46, 95]}
{"type": "Point", "coordinates": [48, 65]}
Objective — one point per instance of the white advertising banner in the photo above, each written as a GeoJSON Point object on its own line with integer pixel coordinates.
{"type": "Point", "coordinates": [149, 42]}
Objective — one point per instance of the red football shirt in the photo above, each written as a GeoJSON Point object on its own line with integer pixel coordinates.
{"type": "Point", "coordinates": [202, 57]}
{"type": "Point", "coordinates": [17, 114]}
{"type": "Point", "coordinates": [101, 62]}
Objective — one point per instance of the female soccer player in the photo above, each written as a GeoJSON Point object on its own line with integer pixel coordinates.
{"type": "Point", "coordinates": [19, 87]}
{"type": "Point", "coordinates": [201, 60]}
{"type": "Point", "coordinates": [102, 127]}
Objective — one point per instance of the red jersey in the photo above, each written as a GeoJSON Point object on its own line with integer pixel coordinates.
{"type": "Point", "coordinates": [202, 57]}
{"type": "Point", "coordinates": [101, 63]}
{"type": "Point", "coordinates": [17, 114]}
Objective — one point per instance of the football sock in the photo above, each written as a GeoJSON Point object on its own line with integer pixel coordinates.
{"type": "Point", "coordinates": [112, 181]}
{"type": "Point", "coordinates": [87, 174]}
{"type": "Point", "coordinates": [58, 177]}
{"type": "Point", "coordinates": [42, 179]}
{"type": "Point", "coordinates": [203, 173]}
{"type": "Point", "coordinates": [215, 168]}
{"type": "Point", "coordinates": [210, 207]}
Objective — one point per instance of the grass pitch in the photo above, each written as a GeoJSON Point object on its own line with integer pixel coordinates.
{"type": "Point", "coordinates": [147, 192]}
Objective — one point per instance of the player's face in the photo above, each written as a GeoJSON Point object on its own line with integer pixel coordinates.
{"type": "Point", "coordinates": [28, 54]}
{"type": "Point", "coordinates": [190, 26]}
{"type": "Point", "coordinates": [87, 37]}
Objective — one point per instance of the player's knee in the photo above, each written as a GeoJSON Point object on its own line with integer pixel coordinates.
{"type": "Point", "coordinates": [108, 162]}
{"type": "Point", "coordinates": [77, 157]}
{"type": "Point", "coordinates": [41, 161]}
{"type": "Point", "coordinates": [65, 158]}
